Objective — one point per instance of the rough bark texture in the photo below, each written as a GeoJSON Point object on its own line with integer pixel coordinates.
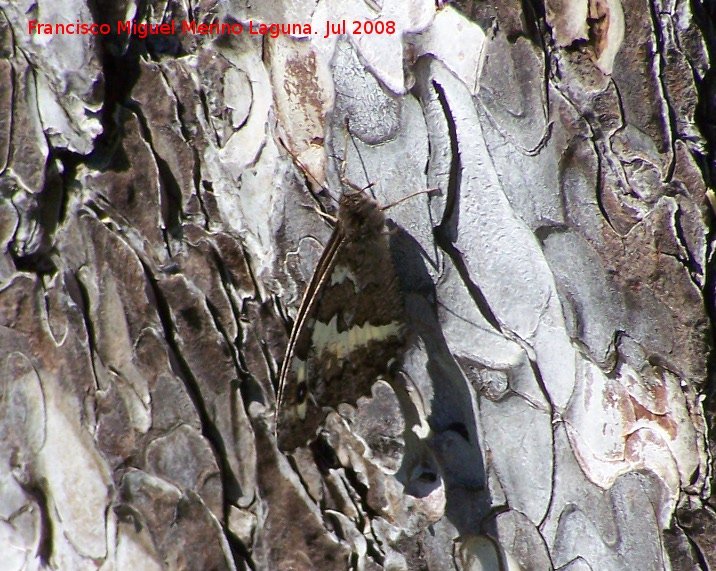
{"type": "Point", "coordinates": [553, 410]}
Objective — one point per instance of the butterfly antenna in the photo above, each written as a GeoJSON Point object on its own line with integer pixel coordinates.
{"type": "Point", "coordinates": [429, 191]}
{"type": "Point", "coordinates": [369, 186]}
{"type": "Point", "coordinates": [305, 170]}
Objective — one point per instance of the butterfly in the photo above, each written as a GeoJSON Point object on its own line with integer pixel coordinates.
{"type": "Point", "coordinates": [350, 327]}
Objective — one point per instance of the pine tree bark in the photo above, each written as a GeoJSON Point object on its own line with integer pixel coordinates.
{"type": "Point", "coordinates": [164, 201]}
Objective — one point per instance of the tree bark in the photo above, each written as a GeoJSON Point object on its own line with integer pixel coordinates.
{"type": "Point", "coordinates": [164, 201]}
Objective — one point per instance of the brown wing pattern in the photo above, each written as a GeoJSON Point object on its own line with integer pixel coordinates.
{"type": "Point", "coordinates": [308, 304]}
{"type": "Point", "coordinates": [349, 326]}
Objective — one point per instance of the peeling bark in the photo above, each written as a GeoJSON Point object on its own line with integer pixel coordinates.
{"type": "Point", "coordinates": [162, 208]}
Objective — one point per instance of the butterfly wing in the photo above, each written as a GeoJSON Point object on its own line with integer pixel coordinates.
{"type": "Point", "coordinates": [294, 400]}
{"type": "Point", "coordinates": [349, 328]}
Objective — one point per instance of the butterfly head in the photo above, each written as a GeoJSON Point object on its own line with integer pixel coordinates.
{"type": "Point", "coordinates": [360, 216]}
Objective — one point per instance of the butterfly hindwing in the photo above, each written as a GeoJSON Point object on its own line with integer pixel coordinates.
{"type": "Point", "coordinates": [349, 328]}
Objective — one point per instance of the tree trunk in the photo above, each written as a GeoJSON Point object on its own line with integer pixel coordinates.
{"type": "Point", "coordinates": [167, 194]}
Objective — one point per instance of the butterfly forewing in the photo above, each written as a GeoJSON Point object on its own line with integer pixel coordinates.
{"type": "Point", "coordinates": [350, 325]}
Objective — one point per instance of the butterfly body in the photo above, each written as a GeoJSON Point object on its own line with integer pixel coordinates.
{"type": "Point", "coordinates": [350, 326]}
